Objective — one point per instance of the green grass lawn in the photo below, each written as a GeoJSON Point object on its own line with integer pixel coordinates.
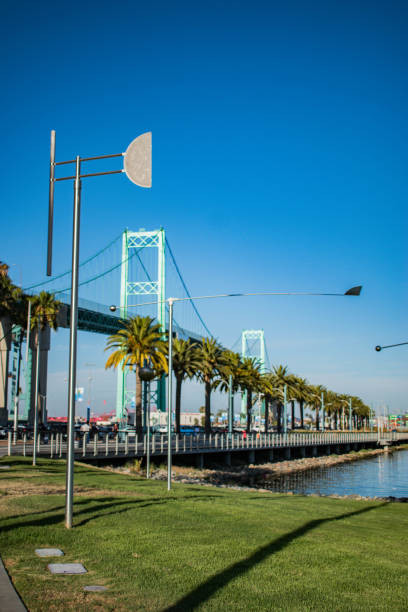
{"type": "Point", "coordinates": [197, 548]}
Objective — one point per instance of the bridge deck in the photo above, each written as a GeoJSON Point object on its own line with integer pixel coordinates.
{"type": "Point", "coordinates": [129, 446]}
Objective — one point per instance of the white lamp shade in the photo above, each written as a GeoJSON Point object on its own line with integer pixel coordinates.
{"type": "Point", "coordinates": [138, 160]}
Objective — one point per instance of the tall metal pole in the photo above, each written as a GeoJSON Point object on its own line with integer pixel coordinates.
{"type": "Point", "coordinates": [285, 408]}
{"type": "Point", "coordinates": [148, 430]}
{"type": "Point", "coordinates": [17, 395]}
{"type": "Point", "coordinates": [15, 425]}
{"type": "Point", "coordinates": [51, 203]}
{"type": "Point", "coordinates": [323, 415]}
{"type": "Point", "coordinates": [28, 329]}
{"type": "Point", "coordinates": [350, 416]}
{"type": "Point", "coordinates": [230, 405]}
{"type": "Point", "coordinates": [37, 370]}
{"type": "Point", "coordinates": [73, 346]}
{"type": "Point", "coordinates": [169, 393]}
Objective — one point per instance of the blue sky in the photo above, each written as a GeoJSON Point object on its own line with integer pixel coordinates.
{"type": "Point", "coordinates": [279, 162]}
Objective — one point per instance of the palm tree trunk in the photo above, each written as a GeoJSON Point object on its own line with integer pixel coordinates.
{"type": "Point", "coordinates": [5, 345]}
{"type": "Point", "coordinates": [179, 380]}
{"type": "Point", "coordinates": [266, 413]}
{"type": "Point", "coordinates": [302, 422]}
{"type": "Point", "coordinates": [279, 417]}
{"type": "Point", "coordinates": [293, 414]}
{"type": "Point", "coordinates": [207, 407]}
{"type": "Point", "coordinates": [335, 420]}
{"type": "Point", "coordinates": [139, 411]}
{"type": "Point", "coordinates": [249, 410]}
{"type": "Point", "coordinates": [317, 418]}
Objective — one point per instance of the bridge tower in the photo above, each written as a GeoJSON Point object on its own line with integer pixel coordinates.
{"type": "Point", "coordinates": [129, 287]}
{"type": "Point", "coordinates": [253, 345]}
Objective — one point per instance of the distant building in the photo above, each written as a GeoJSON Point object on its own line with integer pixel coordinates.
{"type": "Point", "coordinates": [398, 420]}
{"type": "Point", "coordinates": [186, 418]}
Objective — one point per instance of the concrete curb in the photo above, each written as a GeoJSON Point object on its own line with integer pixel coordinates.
{"type": "Point", "coordinates": [9, 599]}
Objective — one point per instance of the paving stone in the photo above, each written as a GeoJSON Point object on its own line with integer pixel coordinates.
{"type": "Point", "coordinates": [66, 568]}
{"type": "Point", "coordinates": [48, 552]}
{"type": "Point", "coordinates": [5, 467]}
{"type": "Point", "coordinates": [95, 587]}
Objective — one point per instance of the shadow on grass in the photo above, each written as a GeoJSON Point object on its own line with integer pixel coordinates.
{"type": "Point", "coordinates": [108, 503]}
{"type": "Point", "coordinates": [207, 589]}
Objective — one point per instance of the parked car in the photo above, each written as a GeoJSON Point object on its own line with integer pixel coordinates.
{"type": "Point", "coordinates": [105, 431]}
{"type": "Point", "coordinates": [25, 430]}
{"type": "Point", "coordinates": [185, 430]}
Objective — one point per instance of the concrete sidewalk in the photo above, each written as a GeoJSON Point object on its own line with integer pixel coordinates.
{"type": "Point", "coordinates": [9, 599]}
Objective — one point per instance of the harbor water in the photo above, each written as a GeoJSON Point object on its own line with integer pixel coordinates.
{"type": "Point", "coordinates": [384, 475]}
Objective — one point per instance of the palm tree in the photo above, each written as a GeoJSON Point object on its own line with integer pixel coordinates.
{"type": "Point", "coordinates": [139, 341]}
{"type": "Point", "coordinates": [185, 365]}
{"type": "Point", "coordinates": [280, 377]}
{"type": "Point", "coordinates": [44, 317]}
{"type": "Point", "coordinates": [361, 412]}
{"type": "Point", "coordinates": [301, 390]}
{"type": "Point", "coordinates": [331, 407]}
{"type": "Point", "coordinates": [230, 367]}
{"type": "Point", "coordinates": [314, 401]}
{"type": "Point", "coordinates": [209, 354]}
{"type": "Point", "coordinates": [44, 311]}
{"type": "Point", "coordinates": [267, 390]}
{"type": "Point", "coordinates": [4, 268]}
{"type": "Point", "coordinates": [10, 295]}
{"type": "Point", "coordinates": [250, 382]}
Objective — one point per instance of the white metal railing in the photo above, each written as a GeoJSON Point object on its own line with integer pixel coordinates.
{"type": "Point", "coordinates": [130, 445]}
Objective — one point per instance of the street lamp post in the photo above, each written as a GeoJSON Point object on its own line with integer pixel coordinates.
{"type": "Point", "coordinates": [379, 348]}
{"type": "Point", "coordinates": [354, 291]}
{"type": "Point", "coordinates": [285, 409]}
{"type": "Point", "coordinates": [317, 420]}
{"type": "Point", "coordinates": [147, 374]}
{"type": "Point", "coordinates": [323, 411]}
{"type": "Point", "coordinates": [37, 368]}
{"type": "Point", "coordinates": [137, 167]}
{"type": "Point", "coordinates": [170, 393]}
{"type": "Point", "coordinates": [230, 405]}
{"type": "Point", "coordinates": [90, 379]}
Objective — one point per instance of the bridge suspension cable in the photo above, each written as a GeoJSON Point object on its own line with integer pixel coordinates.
{"type": "Point", "coordinates": [185, 288]}
{"type": "Point", "coordinates": [81, 265]}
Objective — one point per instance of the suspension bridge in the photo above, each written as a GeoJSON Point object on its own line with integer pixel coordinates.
{"type": "Point", "coordinates": [133, 270]}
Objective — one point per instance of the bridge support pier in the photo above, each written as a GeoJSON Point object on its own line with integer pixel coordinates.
{"type": "Point", "coordinates": [227, 458]}
{"type": "Point", "coordinates": [314, 451]}
{"type": "Point", "coordinates": [270, 456]}
{"type": "Point", "coordinates": [287, 454]}
{"type": "Point", "coordinates": [302, 451]}
{"type": "Point", "coordinates": [251, 456]}
{"type": "Point", "coordinates": [200, 461]}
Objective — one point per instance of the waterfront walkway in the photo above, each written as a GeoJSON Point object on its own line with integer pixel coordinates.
{"type": "Point", "coordinates": [254, 448]}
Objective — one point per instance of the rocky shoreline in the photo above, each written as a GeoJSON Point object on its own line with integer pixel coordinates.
{"type": "Point", "coordinates": [250, 477]}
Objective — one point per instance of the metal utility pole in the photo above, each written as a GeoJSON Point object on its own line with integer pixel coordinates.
{"type": "Point", "coordinates": [73, 346]}
{"type": "Point", "coordinates": [230, 405]}
{"type": "Point", "coordinates": [169, 393]}
{"type": "Point", "coordinates": [323, 415]}
{"type": "Point", "coordinates": [37, 369]}
{"type": "Point", "coordinates": [137, 167]}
